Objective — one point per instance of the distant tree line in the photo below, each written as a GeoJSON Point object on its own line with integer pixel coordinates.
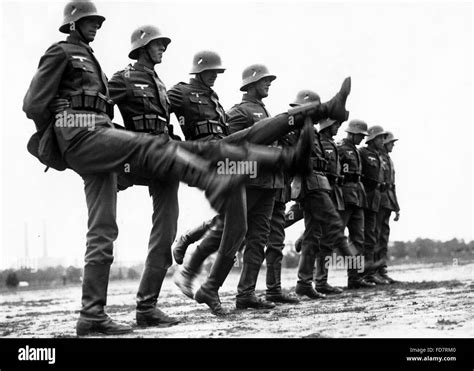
{"type": "Point", "coordinates": [421, 248]}
{"type": "Point", "coordinates": [59, 276]}
{"type": "Point", "coordinates": [427, 248]}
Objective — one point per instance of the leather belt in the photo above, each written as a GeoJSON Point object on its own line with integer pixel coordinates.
{"type": "Point", "coordinates": [89, 100]}
{"type": "Point", "coordinates": [150, 123]}
{"type": "Point", "coordinates": [207, 127]}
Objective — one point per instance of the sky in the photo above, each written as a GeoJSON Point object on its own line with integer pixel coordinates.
{"type": "Point", "coordinates": [411, 69]}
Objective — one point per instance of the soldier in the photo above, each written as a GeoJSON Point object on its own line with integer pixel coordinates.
{"type": "Point", "coordinates": [354, 195]}
{"type": "Point", "coordinates": [320, 213]}
{"type": "Point", "coordinates": [201, 117]}
{"type": "Point", "coordinates": [141, 98]}
{"type": "Point", "coordinates": [388, 204]}
{"type": "Point", "coordinates": [89, 144]}
{"type": "Point", "coordinates": [276, 244]}
{"type": "Point", "coordinates": [327, 130]}
{"type": "Point", "coordinates": [260, 192]}
{"type": "Point", "coordinates": [373, 180]}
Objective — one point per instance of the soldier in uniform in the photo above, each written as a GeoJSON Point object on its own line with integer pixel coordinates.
{"type": "Point", "coordinates": [373, 181]}
{"type": "Point", "coordinates": [320, 213]}
{"type": "Point", "coordinates": [388, 204]}
{"type": "Point", "coordinates": [201, 117]}
{"type": "Point", "coordinates": [89, 144]}
{"type": "Point", "coordinates": [354, 195]}
{"type": "Point", "coordinates": [141, 98]}
{"type": "Point", "coordinates": [276, 242]}
{"type": "Point", "coordinates": [260, 193]}
{"type": "Point", "coordinates": [327, 130]}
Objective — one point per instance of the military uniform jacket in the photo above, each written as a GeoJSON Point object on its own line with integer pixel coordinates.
{"type": "Point", "coordinates": [372, 176]}
{"type": "Point", "coordinates": [389, 196]}
{"type": "Point", "coordinates": [68, 67]}
{"type": "Point", "coordinates": [67, 70]}
{"type": "Point", "coordinates": [351, 168]}
{"type": "Point", "coordinates": [242, 116]}
{"type": "Point", "coordinates": [316, 181]}
{"type": "Point", "coordinates": [333, 172]}
{"type": "Point", "coordinates": [198, 111]}
{"type": "Point", "coordinates": [142, 99]}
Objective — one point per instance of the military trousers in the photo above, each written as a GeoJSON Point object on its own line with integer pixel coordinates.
{"type": "Point", "coordinates": [321, 218]}
{"type": "Point", "coordinates": [383, 234]}
{"type": "Point", "coordinates": [259, 212]}
{"type": "Point", "coordinates": [353, 218]}
{"type": "Point", "coordinates": [275, 246]}
{"type": "Point", "coordinates": [229, 238]}
{"type": "Point", "coordinates": [164, 223]}
{"type": "Point", "coordinates": [100, 153]}
{"type": "Point", "coordinates": [370, 237]}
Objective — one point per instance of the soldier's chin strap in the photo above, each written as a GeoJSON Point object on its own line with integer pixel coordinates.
{"type": "Point", "coordinates": [198, 76]}
{"type": "Point", "coordinates": [149, 55]}
{"type": "Point", "coordinates": [81, 35]}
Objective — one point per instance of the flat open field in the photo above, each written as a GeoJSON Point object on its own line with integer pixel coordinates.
{"type": "Point", "coordinates": [434, 300]}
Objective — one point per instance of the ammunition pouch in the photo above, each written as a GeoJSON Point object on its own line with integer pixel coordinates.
{"type": "Point", "coordinates": [320, 164]}
{"type": "Point", "coordinates": [383, 187]}
{"type": "Point", "coordinates": [351, 178]}
{"type": "Point", "coordinates": [209, 127]}
{"type": "Point", "coordinates": [334, 180]}
{"type": "Point", "coordinates": [370, 184]}
{"type": "Point", "coordinates": [95, 101]}
{"type": "Point", "coordinates": [150, 123]}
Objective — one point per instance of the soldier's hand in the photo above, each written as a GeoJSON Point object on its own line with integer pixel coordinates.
{"type": "Point", "coordinates": [397, 216]}
{"type": "Point", "coordinates": [58, 105]}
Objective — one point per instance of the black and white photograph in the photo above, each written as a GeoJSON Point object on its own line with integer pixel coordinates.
{"type": "Point", "coordinates": [237, 171]}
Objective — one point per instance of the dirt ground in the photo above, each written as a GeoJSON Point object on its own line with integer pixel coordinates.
{"type": "Point", "coordinates": [434, 300]}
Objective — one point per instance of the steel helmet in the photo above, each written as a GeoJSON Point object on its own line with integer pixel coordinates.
{"type": "Point", "coordinates": [254, 73]}
{"type": "Point", "coordinates": [206, 60]}
{"type": "Point", "coordinates": [389, 138]}
{"type": "Point", "coordinates": [143, 35]}
{"type": "Point", "coordinates": [357, 127]}
{"type": "Point", "coordinates": [323, 124]}
{"type": "Point", "coordinates": [75, 10]}
{"type": "Point", "coordinates": [374, 132]}
{"type": "Point", "coordinates": [305, 96]}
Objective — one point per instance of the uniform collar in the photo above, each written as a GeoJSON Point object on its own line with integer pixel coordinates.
{"type": "Point", "coordinates": [74, 39]}
{"type": "Point", "coordinates": [197, 83]}
{"type": "Point", "coordinates": [327, 137]}
{"type": "Point", "coordinates": [372, 148]}
{"type": "Point", "coordinates": [140, 67]}
{"type": "Point", "coordinates": [348, 143]}
{"type": "Point", "coordinates": [247, 98]}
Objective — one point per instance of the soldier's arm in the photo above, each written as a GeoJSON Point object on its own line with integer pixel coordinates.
{"type": "Point", "coordinates": [117, 88]}
{"type": "Point", "coordinates": [238, 119]}
{"type": "Point", "coordinates": [44, 86]}
{"type": "Point", "coordinates": [175, 95]}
